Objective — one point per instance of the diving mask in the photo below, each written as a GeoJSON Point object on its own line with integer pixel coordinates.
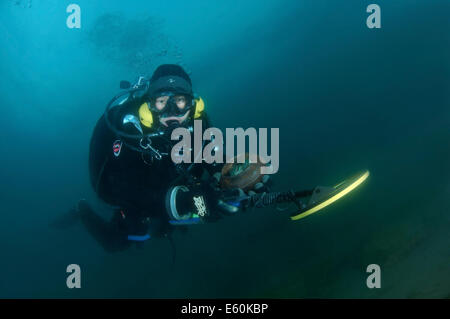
{"type": "Point", "coordinates": [171, 107]}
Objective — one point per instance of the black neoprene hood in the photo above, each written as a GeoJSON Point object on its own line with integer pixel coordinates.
{"type": "Point", "coordinates": [170, 77]}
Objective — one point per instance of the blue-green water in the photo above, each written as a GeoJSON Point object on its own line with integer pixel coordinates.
{"type": "Point", "coordinates": [345, 98]}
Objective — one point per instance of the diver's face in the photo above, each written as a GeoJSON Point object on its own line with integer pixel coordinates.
{"type": "Point", "coordinates": [180, 101]}
{"type": "Point", "coordinates": [161, 102]}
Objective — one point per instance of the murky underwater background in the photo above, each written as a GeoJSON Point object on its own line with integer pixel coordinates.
{"type": "Point", "coordinates": [345, 98]}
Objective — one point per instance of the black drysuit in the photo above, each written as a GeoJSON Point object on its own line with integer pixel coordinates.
{"type": "Point", "coordinates": [134, 182]}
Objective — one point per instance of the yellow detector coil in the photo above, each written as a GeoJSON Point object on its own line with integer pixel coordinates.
{"type": "Point", "coordinates": [335, 193]}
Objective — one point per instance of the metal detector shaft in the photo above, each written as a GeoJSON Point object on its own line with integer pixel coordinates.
{"type": "Point", "coordinates": [267, 199]}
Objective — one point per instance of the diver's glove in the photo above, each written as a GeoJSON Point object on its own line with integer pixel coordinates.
{"type": "Point", "coordinates": [190, 205]}
{"type": "Point", "coordinates": [261, 187]}
{"type": "Point", "coordinates": [207, 201]}
{"type": "Point", "coordinates": [234, 200]}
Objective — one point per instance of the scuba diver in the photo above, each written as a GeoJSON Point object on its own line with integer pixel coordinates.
{"type": "Point", "coordinates": [131, 168]}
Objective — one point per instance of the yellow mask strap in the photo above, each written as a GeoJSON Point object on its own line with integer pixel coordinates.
{"type": "Point", "coordinates": [199, 107]}
{"type": "Point", "coordinates": [145, 115]}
